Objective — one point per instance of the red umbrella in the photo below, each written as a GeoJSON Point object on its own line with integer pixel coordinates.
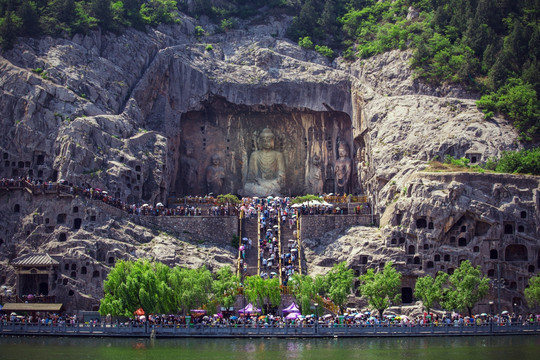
{"type": "Point", "coordinates": [139, 312]}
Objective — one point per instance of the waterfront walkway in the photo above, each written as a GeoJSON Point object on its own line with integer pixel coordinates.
{"type": "Point", "coordinates": [277, 331]}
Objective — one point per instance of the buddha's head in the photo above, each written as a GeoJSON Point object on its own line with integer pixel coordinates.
{"type": "Point", "coordinates": [343, 150]}
{"type": "Point", "coordinates": [266, 139]}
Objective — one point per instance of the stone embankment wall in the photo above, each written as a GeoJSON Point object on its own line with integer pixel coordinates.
{"type": "Point", "coordinates": [218, 230]}
{"type": "Point", "coordinates": [316, 226]}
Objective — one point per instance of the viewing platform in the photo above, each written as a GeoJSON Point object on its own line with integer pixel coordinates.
{"type": "Point", "coordinates": [261, 330]}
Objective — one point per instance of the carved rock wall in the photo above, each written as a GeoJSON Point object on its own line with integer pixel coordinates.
{"type": "Point", "coordinates": [232, 132]}
{"type": "Point", "coordinates": [116, 111]}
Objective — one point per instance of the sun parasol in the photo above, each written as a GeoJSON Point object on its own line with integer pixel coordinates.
{"type": "Point", "coordinates": [293, 308]}
{"type": "Point", "coordinates": [139, 311]}
{"type": "Point", "coordinates": [293, 316]}
{"type": "Point", "coordinates": [249, 309]}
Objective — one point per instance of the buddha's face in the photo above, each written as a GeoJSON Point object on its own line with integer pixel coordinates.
{"type": "Point", "coordinates": [215, 160]}
{"type": "Point", "coordinates": [267, 140]}
{"type": "Point", "coordinates": [343, 151]}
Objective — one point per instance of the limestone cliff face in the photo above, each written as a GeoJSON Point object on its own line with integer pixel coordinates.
{"type": "Point", "coordinates": [111, 111]}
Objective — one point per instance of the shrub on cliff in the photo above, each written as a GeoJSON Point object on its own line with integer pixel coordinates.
{"type": "Point", "coordinates": [520, 162]}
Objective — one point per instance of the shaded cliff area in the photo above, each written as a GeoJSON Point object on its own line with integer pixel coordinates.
{"type": "Point", "coordinates": [115, 112]}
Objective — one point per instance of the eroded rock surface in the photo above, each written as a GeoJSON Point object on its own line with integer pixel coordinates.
{"type": "Point", "coordinates": [108, 111]}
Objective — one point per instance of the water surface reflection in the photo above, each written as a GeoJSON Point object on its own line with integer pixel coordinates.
{"type": "Point", "coordinates": [441, 348]}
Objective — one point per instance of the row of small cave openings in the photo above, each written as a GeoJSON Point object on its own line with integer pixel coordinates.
{"type": "Point", "coordinates": [128, 179]}
{"type": "Point", "coordinates": [509, 226]}
{"type": "Point", "coordinates": [19, 166]}
{"type": "Point", "coordinates": [18, 169]}
{"type": "Point", "coordinates": [62, 218]}
{"type": "Point", "coordinates": [72, 269]}
{"type": "Point", "coordinates": [513, 253]}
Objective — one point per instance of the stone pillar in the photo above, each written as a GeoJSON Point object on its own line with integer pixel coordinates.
{"type": "Point", "coordinates": [50, 279]}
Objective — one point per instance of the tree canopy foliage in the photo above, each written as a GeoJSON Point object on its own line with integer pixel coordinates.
{"type": "Point", "coordinates": [532, 291]}
{"type": "Point", "coordinates": [429, 289]}
{"type": "Point", "coordinates": [338, 284]}
{"type": "Point", "coordinates": [466, 286]}
{"type": "Point", "coordinates": [489, 46]}
{"type": "Point", "coordinates": [68, 17]}
{"type": "Point", "coordinates": [157, 288]}
{"type": "Point", "coordinates": [305, 290]}
{"type": "Point", "coordinates": [265, 292]}
{"type": "Point", "coordinates": [382, 288]}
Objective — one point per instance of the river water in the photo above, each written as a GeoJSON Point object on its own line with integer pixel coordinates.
{"type": "Point", "coordinates": [440, 348]}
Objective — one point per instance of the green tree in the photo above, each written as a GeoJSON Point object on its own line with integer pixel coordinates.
{"type": "Point", "coordinates": [532, 291]}
{"type": "Point", "coordinates": [305, 290]}
{"type": "Point", "coordinates": [338, 284]}
{"type": "Point", "coordinates": [429, 289]}
{"type": "Point", "coordinates": [304, 198]}
{"type": "Point", "coordinates": [132, 9]}
{"type": "Point", "coordinates": [192, 288]}
{"type": "Point", "coordinates": [265, 292]}
{"type": "Point", "coordinates": [9, 28]}
{"type": "Point", "coordinates": [228, 199]}
{"type": "Point", "coordinates": [155, 12]}
{"type": "Point", "coordinates": [324, 50]}
{"type": "Point", "coordinates": [521, 162]}
{"type": "Point", "coordinates": [133, 285]}
{"type": "Point", "coordinates": [28, 12]}
{"type": "Point", "coordinates": [305, 24]}
{"type": "Point", "coordinates": [467, 286]}
{"type": "Point", "coordinates": [305, 42]}
{"type": "Point", "coordinates": [225, 286]}
{"type": "Point", "coordinates": [381, 288]}
{"type": "Point", "coordinates": [520, 102]}
{"type": "Point", "coordinates": [102, 11]}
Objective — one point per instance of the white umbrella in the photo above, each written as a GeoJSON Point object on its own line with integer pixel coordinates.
{"type": "Point", "coordinates": [159, 204]}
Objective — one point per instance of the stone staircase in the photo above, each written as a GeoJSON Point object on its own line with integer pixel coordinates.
{"type": "Point", "coordinates": [287, 234]}
{"type": "Point", "coordinates": [249, 230]}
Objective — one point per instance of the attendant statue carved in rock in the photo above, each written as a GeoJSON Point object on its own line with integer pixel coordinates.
{"type": "Point", "coordinates": [215, 174]}
{"type": "Point", "coordinates": [266, 172]}
{"type": "Point", "coordinates": [315, 178]}
{"type": "Point", "coordinates": [189, 169]}
{"type": "Point", "coordinates": [343, 169]}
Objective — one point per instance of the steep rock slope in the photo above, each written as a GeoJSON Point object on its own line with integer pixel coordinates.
{"type": "Point", "coordinates": [100, 110]}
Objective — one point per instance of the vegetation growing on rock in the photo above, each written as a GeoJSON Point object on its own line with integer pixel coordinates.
{"type": "Point", "coordinates": [488, 46]}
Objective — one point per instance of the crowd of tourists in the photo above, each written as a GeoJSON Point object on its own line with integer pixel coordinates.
{"type": "Point", "coordinates": [365, 319]}
{"type": "Point", "coordinates": [274, 258]}
{"type": "Point", "coordinates": [187, 206]}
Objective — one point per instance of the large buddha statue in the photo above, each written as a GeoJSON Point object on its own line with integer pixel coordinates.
{"type": "Point", "coordinates": [266, 173]}
{"type": "Point", "coordinates": [343, 169]}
